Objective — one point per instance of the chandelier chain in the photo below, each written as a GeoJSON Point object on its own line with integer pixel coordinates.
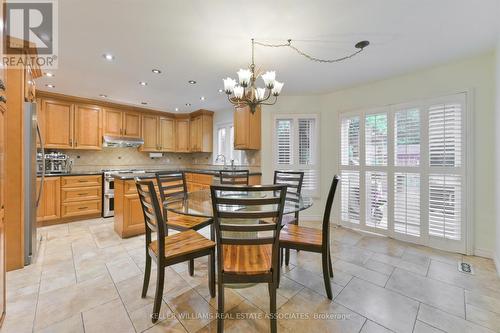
{"type": "Point", "coordinates": [302, 53]}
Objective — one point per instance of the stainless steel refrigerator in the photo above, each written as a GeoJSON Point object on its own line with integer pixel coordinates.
{"type": "Point", "coordinates": [32, 142]}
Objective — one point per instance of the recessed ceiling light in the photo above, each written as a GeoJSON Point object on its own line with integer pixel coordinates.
{"type": "Point", "coordinates": [156, 71]}
{"type": "Point", "coordinates": [176, 109]}
{"type": "Point", "coordinates": [188, 104]}
{"type": "Point", "coordinates": [142, 83]}
{"type": "Point", "coordinates": [221, 90]}
{"type": "Point", "coordinates": [192, 82]}
{"type": "Point", "coordinates": [144, 103]}
{"type": "Point", "coordinates": [50, 86]}
{"type": "Point", "coordinates": [202, 98]}
{"type": "Point", "coordinates": [103, 96]}
{"type": "Point", "coordinates": [48, 74]}
{"type": "Point", "coordinates": [108, 56]}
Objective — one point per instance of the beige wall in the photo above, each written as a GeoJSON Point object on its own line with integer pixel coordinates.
{"type": "Point", "coordinates": [497, 154]}
{"type": "Point", "coordinates": [475, 73]}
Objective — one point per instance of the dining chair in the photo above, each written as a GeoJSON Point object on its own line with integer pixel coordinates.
{"type": "Point", "coordinates": [293, 180]}
{"type": "Point", "coordinates": [247, 245]}
{"type": "Point", "coordinates": [234, 177]}
{"type": "Point", "coordinates": [314, 240]}
{"type": "Point", "coordinates": [169, 250]}
{"type": "Point", "coordinates": [172, 186]}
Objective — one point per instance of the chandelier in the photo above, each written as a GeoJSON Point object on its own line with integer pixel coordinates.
{"type": "Point", "coordinates": [246, 93]}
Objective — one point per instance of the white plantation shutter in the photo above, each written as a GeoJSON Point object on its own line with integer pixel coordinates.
{"type": "Point", "coordinates": [376, 139]}
{"type": "Point", "coordinates": [445, 206]}
{"type": "Point", "coordinates": [407, 203]}
{"type": "Point", "coordinates": [284, 129]}
{"type": "Point", "coordinates": [350, 141]}
{"type": "Point", "coordinates": [445, 135]}
{"type": "Point", "coordinates": [296, 142]}
{"type": "Point", "coordinates": [350, 200]}
{"type": "Point", "coordinates": [376, 199]}
{"type": "Point", "coordinates": [221, 141]}
{"type": "Point", "coordinates": [407, 138]}
{"type": "Point", "coordinates": [404, 171]}
{"type": "Point", "coordinates": [225, 145]}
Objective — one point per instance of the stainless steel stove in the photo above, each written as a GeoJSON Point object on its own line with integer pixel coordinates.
{"type": "Point", "coordinates": [108, 192]}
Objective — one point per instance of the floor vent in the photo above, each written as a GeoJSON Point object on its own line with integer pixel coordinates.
{"type": "Point", "coordinates": [465, 268]}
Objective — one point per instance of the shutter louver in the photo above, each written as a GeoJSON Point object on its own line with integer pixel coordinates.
{"type": "Point", "coordinates": [445, 135]}
{"type": "Point", "coordinates": [350, 141]}
{"type": "Point", "coordinates": [350, 199]}
{"type": "Point", "coordinates": [407, 203]}
{"type": "Point", "coordinates": [407, 138]}
{"type": "Point", "coordinates": [221, 141]}
{"type": "Point", "coordinates": [376, 199]}
{"type": "Point", "coordinates": [376, 139]}
{"type": "Point", "coordinates": [445, 206]}
{"type": "Point", "coordinates": [284, 147]}
{"type": "Point", "coordinates": [306, 133]}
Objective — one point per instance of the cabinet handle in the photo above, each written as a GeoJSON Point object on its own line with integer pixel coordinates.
{"type": "Point", "coordinates": [70, 142]}
{"type": "Point", "coordinates": [2, 85]}
{"type": "Point", "coordinates": [125, 131]}
{"type": "Point", "coordinates": [82, 181]}
{"type": "Point", "coordinates": [82, 193]}
{"type": "Point", "coordinates": [82, 208]}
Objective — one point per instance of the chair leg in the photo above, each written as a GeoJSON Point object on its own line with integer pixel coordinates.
{"type": "Point", "coordinates": [147, 274]}
{"type": "Point", "coordinates": [212, 232]}
{"type": "Point", "coordinates": [282, 252]}
{"type": "Point", "coordinates": [211, 274]}
{"type": "Point", "coordinates": [220, 307]}
{"type": "Point", "coordinates": [272, 307]}
{"type": "Point", "coordinates": [191, 267]}
{"type": "Point", "coordinates": [330, 263]}
{"type": "Point", "coordinates": [326, 273]}
{"type": "Point", "coordinates": [287, 257]}
{"type": "Point", "coordinates": [160, 279]}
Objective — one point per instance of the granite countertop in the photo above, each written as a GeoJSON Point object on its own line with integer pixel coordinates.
{"type": "Point", "coordinates": [151, 173]}
{"type": "Point", "coordinates": [81, 173]}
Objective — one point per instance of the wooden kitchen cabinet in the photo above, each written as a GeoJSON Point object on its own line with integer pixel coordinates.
{"type": "Point", "coordinates": [167, 134]}
{"type": "Point", "coordinates": [65, 125]}
{"type": "Point", "coordinates": [57, 124]}
{"type": "Point", "coordinates": [81, 196]}
{"type": "Point", "coordinates": [201, 131]}
{"type": "Point", "coordinates": [49, 207]}
{"type": "Point", "coordinates": [122, 123]}
{"type": "Point", "coordinates": [129, 219]}
{"type": "Point", "coordinates": [150, 125]}
{"type": "Point", "coordinates": [247, 129]}
{"type": "Point", "coordinates": [88, 127]}
{"type": "Point", "coordinates": [3, 111]}
{"type": "Point", "coordinates": [182, 135]}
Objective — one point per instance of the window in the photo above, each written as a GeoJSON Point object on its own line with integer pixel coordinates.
{"type": "Point", "coordinates": [225, 145]}
{"type": "Point", "coordinates": [403, 172]}
{"type": "Point", "coordinates": [295, 144]}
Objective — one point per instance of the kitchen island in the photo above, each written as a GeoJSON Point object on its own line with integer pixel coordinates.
{"type": "Point", "coordinates": [129, 220]}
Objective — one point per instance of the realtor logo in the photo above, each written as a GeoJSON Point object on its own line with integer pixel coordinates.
{"type": "Point", "coordinates": [31, 29]}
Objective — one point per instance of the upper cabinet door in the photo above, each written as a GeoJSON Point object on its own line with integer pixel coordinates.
{"type": "Point", "coordinates": [113, 122]}
{"type": "Point", "coordinates": [182, 135]}
{"type": "Point", "coordinates": [88, 127]}
{"type": "Point", "coordinates": [131, 124]}
{"type": "Point", "coordinates": [58, 124]}
{"type": "Point", "coordinates": [150, 130]}
{"type": "Point", "coordinates": [247, 128]}
{"type": "Point", "coordinates": [167, 134]}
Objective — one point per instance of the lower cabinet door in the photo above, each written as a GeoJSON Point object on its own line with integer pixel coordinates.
{"type": "Point", "coordinates": [81, 208]}
{"type": "Point", "coordinates": [133, 217]}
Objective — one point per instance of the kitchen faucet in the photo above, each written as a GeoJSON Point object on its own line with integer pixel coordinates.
{"type": "Point", "coordinates": [219, 158]}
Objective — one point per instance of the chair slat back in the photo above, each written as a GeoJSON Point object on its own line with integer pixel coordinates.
{"type": "Point", "coordinates": [328, 209]}
{"type": "Point", "coordinates": [172, 186]}
{"type": "Point", "coordinates": [239, 212]}
{"type": "Point", "coordinates": [153, 218]}
{"type": "Point", "coordinates": [294, 181]}
{"type": "Point", "coordinates": [234, 177]}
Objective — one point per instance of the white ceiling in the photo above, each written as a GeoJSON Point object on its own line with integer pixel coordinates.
{"type": "Point", "coordinates": [209, 40]}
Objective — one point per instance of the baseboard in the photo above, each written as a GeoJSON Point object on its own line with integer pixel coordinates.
{"type": "Point", "coordinates": [484, 253]}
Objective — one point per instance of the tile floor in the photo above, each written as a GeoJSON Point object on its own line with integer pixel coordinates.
{"type": "Point", "coordinates": [87, 279]}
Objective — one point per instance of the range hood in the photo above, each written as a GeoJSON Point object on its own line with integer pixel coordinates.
{"type": "Point", "coordinates": [118, 141]}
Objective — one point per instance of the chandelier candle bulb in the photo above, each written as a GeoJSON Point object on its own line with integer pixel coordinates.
{"type": "Point", "coordinates": [238, 91]}
{"type": "Point", "coordinates": [277, 88]}
{"type": "Point", "coordinates": [229, 85]}
{"type": "Point", "coordinates": [269, 78]}
{"type": "Point", "coordinates": [244, 76]}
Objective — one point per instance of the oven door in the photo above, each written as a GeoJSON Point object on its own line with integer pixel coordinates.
{"type": "Point", "coordinates": [109, 205]}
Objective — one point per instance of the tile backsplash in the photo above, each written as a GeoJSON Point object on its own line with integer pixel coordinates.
{"type": "Point", "coordinates": [125, 158]}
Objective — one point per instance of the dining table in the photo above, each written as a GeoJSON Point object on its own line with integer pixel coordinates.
{"type": "Point", "coordinates": [199, 203]}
